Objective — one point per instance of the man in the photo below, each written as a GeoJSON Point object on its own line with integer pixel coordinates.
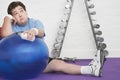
{"type": "Point", "coordinates": [18, 21]}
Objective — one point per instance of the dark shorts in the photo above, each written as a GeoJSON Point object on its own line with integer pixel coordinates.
{"type": "Point", "coordinates": [50, 59]}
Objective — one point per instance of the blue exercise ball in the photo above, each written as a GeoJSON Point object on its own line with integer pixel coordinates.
{"type": "Point", "coordinates": [22, 59]}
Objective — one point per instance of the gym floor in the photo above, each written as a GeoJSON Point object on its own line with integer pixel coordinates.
{"type": "Point", "coordinates": [110, 71]}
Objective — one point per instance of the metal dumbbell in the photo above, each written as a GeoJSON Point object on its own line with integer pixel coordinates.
{"type": "Point", "coordinates": [93, 12]}
{"type": "Point", "coordinates": [101, 46]}
{"type": "Point", "coordinates": [88, 0]}
{"type": "Point", "coordinates": [97, 26]}
{"type": "Point", "coordinates": [106, 52]}
{"type": "Point", "coordinates": [70, 59]}
{"type": "Point", "coordinates": [61, 32]}
{"type": "Point", "coordinates": [100, 39]}
{"type": "Point", "coordinates": [57, 45]}
{"type": "Point", "coordinates": [98, 32]}
{"type": "Point", "coordinates": [59, 39]}
{"type": "Point", "coordinates": [55, 53]}
{"type": "Point", "coordinates": [91, 6]}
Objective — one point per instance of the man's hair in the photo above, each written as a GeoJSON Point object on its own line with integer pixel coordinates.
{"type": "Point", "coordinates": [13, 5]}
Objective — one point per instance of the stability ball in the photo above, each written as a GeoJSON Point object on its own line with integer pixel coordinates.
{"type": "Point", "coordinates": [22, 59]}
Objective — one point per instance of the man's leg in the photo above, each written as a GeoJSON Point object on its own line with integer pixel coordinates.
{"type": "Point", "coordinates": [61, 66]}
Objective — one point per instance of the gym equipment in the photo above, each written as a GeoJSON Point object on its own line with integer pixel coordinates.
{"type": "Point", "coordinates": [22, 59]}
{"type": "Point", "coordinates": [57, 46]}
{"type": "Point", "coordinates": [97, 26]}
{"type": "Point", "coordinates": [100, 39]}
{"type": "Point", "coordinates": [96, 33]}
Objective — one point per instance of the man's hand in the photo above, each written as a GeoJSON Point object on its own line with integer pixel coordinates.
{"type": "Point", "coordinates": [30, 34]}
{"type": "Point", "coordinates": [12, 19]}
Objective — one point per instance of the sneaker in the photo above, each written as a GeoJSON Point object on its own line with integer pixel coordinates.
{"type": "Point", "coordinates": [96, 65]}
{"type": "Point", "coordinates": [98, 57]}
{"type": "Point", "coordinates": [96, 68]}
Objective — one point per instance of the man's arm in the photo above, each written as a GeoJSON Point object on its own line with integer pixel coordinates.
{"type": "Point", "coordinates": [38, 32]}
{"type": "Point", "coordinates": [41, 33]}
{"type": "Point", "coordinates": [33, 32]}
{"type": "Point", "coordinates": [6, 27]}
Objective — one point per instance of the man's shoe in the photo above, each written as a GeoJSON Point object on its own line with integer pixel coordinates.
{"type": "Point", "coordinates": [96, 69]}
{"type": "Point", "coordinates": [96, 64]}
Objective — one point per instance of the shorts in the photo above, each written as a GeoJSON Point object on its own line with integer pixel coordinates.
{"type": "Point", "coordinates": [50, 59]}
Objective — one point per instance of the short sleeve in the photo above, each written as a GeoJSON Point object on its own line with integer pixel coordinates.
{"type": "Point", "coordinates": [39, 25]}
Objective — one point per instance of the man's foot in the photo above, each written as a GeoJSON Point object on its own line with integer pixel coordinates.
{"type": "Point", "coordinates": [96, 65]}
{"type": "Point", "coordinates": [96, 69]}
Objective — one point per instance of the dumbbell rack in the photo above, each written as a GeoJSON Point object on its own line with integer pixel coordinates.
{"type": "Point", "coordinates": [57, 46]}
{"type": "Point", "coordinates": [99, 41]}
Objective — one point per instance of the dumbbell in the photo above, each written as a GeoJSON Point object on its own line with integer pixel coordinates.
{"type": "Point", "coordinates": [101, 46]}
{"type": "Point", "coordinates": [97, 26]}
{"type": "Point", "coordinates": [100, 39]}
{"type": "Point", "coordinates": [98, 32]}
{"type": "Point", "coordinates": [69, 59]}
{"type": "Point", "coordinates": [57, 45]}
{"type": "Point", "coordinates": [105, 52]}
{"type": "Point", "coordinates": [55, 53]}
{"type": "Point", "coordinates": [59, 39]}
{"type": "Point", "coordinates": [61, 32]}
{"type": "Point", "coordinates": [91, 6]}
{"type": "Point", "coordinates": [88, 0]}
{"type": "Point", "coordinates": [93, 12]}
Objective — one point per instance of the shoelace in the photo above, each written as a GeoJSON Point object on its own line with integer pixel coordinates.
{"type": "Point", "coordinates": [93, 62]}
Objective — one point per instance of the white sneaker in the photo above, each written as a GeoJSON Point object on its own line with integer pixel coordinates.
{"type": "Point", "coordinates": [96, 69]}
{"type": "Point", "coordinates": [97, 57]}
{"type": "Point", "coordinates": [96, 65]}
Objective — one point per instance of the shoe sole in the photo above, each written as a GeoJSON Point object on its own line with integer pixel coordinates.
{"type": "Point", "coordinates": [102, 58]}
{"type": "Point", "coordinates": [102, 61]}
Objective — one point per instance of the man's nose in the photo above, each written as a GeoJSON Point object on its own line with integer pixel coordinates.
{"type": "Point", "coordinates": [20, 15]}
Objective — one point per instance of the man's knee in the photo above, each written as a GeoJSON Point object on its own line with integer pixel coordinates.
{"type": "Point", "coordinates": [57, 65]}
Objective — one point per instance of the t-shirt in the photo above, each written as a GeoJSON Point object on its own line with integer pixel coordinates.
{"type": "Point", "coordinates": [32, 23]}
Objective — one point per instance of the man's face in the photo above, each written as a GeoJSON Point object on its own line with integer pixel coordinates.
{"type": "Point", "coordinates": [20, 15]}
